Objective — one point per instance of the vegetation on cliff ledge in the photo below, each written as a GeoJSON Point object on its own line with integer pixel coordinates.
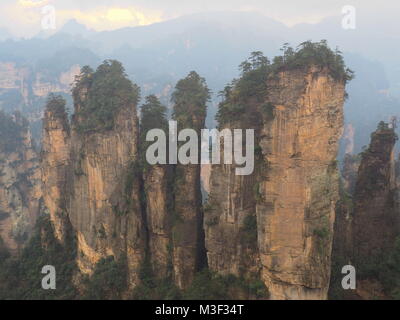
{"type": "Point", "coordinates": [153, 116]}
{"type": "Point", "coordinates": [190, 100]}
{"type": "Point", "coordinates": [56, 106]}
{"type": "Point", "coordinates": [251, 86]}
{"type": "Point", "coordinates": [313, 53]}
{"type": "Point", "coordinates": [100, 94]}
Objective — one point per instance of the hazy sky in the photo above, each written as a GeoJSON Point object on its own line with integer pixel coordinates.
{"type": "Point", "coordinates": [23, 17]}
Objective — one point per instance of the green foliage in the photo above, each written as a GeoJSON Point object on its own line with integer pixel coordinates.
{"type": "Point", "coordinates": [313, 53]}
{"type": "Point", "coordinates": [249, 231]}
{"type": "Point", "coordinates": [190, 100]}
{"type": "Point", "coordinates": [257, 193]}
{"type": "Point", "coordinates": [383, 126]}
{"type": "Point", "coordinates": [333, 165]}
{"type": "Point", "coordinates": [268, 110]}
{"type": "Point", "coordinates": [4, 253]}
{"type": "Point", "coordinates": [212, 221]}
{"type": "Point", "coordinates": [385, 268]}
{"type": "Point", "coordinates": [56, 105]}
{"type": "Point", "coordinates": [101, 94]}
{"type": "Point", "coordinates": [153, 288]}
{"type": "Point", "coordinates": [20, 278]}
{"type": "Point", "coordinates": [322, 233]}
{"type": "Point", "coordinates": [345, 198]}
{"type": "Point", "coordinates": [131, 176]}
{"type": "Point", "coordinates": [153, 116]}
{"type": "Point", "coordinates": [207, 285]}
{"type": "Point", "coordinates": [372, 176]}
{"type": "Point", "coordinates": [251, 84]}
{"type": "Point", "coordinates": [336, 291]}
{"type": "Point", "coordinates": [132, 173]}
{"type": "Point", "coordinates": [108, 280]}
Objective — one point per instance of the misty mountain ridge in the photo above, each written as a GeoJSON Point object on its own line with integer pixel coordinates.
{"type": "Point", "coordinates": [157, 55]}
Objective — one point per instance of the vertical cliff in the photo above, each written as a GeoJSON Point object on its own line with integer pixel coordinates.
{"type": "Point", "coordinates": [376, 217]}
{"type": "Point", "coordinates": [91, 180]}
{"type": "Point", "coordinates": [158, 193]}
{"type": "Point", "coordinates": [301, 189]}
{"type": "Point", "coordinates": [290, 212]}
{"type": "Point", "coordinates": [342, 249]}
{"type": "Point", "coordinates": [230, 220]}
{"type": "Point", "coordinates": [270, 229]}
{"type": "Point", "coordinates": [20, 190]}
{"type": "Point", "coordinates": [56, 165]}
{"type": "Point", "coordinates": [367, 222]}
{"type": "Point", "coordinates": [157, 184]}
{"type": "Point", "coordinates": [349, 171]}
{"type": "Point", "coordinates": [190, 98]}
{"type": "Point", "coordinates": [105, 205]}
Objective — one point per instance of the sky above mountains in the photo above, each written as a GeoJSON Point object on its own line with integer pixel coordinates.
{"type": "Point", "coordinates": [23, 18]}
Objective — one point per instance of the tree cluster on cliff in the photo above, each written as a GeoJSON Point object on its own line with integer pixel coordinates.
{"type": "Point", "coordinates": [251, 85]}
{"type": "Point", "coordinates": [190, 99]}
{"type": "Point", "coordinates": [313, 53]}
{"type": "Point", "coordinates": [254, 72]}
{"type": "Point", "coordinates": [153, 116]}
{"type": "Point", "coordinates": [56, 105]}
{"type": "Point", "coordinates": [99, 94]}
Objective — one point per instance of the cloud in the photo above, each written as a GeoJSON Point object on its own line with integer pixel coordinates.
{"type": "Point", "coordinates": [22, 17]}
{"type": "Point", "coordinates": [32, 3]}
{"type": "Point", "coordinates": [105, 18]}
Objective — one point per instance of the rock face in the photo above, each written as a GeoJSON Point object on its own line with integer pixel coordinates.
{"type": "Point", "coordinates": [342, 251]}
{"type": "Point", "coordinates": [27, 89]}
{"type": "Point", "coordinates": [288, 206]}
{"type": "Point", "coordinates": [24, 80]}
{"type": "Point", "coordinates": [105, 208]}
{"type": "Point", "coordinates": [157, 188]}
{"type": "Point", "coordinates": [367, 222]}
{"type": "Point", "coordinates": [56, 169]}
{"type": "Point", "coordinates": [351, 164]}
{"type": "Point", "coordinates": [42, 87]}
{"type": "Point", "coordinates": [20, 188]}
{"type": "Point", "coordinates": [301, 190]}
{"type": "Point", "coordinates": [230, 220]}
{"type": "Point", "coordinates": [274, 226]}
{"type": "Point", "coordinates": [90, 178]}
{"type": "Point", "coordinates": [231, 237]}
{"type": "Point", "coordinates": [190, 98]}
{"type": "Point", "coordinates": [376, 219]}
{"type": "Point", "coordinates": [188, 238]}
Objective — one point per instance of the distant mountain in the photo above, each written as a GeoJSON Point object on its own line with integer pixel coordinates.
{"type": "Point", "coordinates": [4, 34]}
{"type": "Point", "coordinates": [246, 25]}
{"type": "Point", "coordinates": [214, 44]}
{"type": "Point", "coordinates": [73, 27]}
